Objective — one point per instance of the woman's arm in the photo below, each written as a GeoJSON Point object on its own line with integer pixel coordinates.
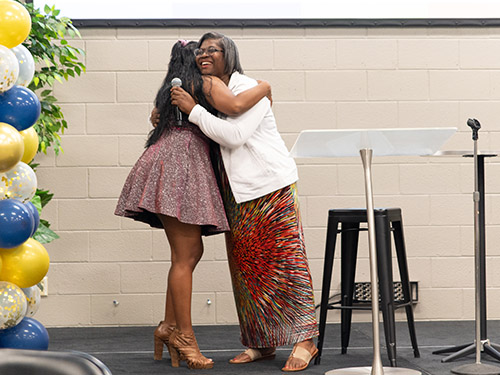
{"type": "Point", "coordinates": [232, 132]}
{"type": "Point", "coordinates": [223, 99]}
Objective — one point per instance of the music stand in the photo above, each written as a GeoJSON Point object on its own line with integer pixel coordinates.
{"type": "Point", "coordinates": [369, 142]}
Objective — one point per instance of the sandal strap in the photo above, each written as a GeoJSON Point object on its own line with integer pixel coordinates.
{"type": "Point", "coordinates": [301, 353]}
{"type": "Point", "coordinates": [253, 353]}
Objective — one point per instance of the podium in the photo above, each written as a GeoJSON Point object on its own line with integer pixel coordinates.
{"type": "Point", "coordinates": [368, 143]}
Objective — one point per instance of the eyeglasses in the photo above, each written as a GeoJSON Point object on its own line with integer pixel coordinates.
{"type": "Point", "coordinates": [209, 51]}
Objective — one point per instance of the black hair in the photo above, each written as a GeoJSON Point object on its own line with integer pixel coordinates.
{"type": "Point", "coordinates": [182, 65]}
{"type": "Point", "coordinates": [231, 55]}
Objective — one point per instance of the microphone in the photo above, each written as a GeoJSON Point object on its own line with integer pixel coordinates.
{"type": "Point", "coordinates": [475, 126]}
{"type": "Point", "coordinates": [177, 82]}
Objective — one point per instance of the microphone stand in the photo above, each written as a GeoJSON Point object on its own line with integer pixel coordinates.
{"type": "Point", "coordinates": [477, 367]}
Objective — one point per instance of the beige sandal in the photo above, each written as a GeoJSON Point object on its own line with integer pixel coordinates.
{"type": "Point", "coordinates": [304, 355]}
{"type": "Point", "coordinates": [253, 355]}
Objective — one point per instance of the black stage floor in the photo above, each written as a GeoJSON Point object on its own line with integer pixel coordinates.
{"type": "Point", "coordinates": [129, 350]}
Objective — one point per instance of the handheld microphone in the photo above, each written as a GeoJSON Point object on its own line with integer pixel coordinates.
{"type": "Point", "coordinates": [177, 82]}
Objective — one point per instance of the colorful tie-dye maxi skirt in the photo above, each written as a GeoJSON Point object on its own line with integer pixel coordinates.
{"type": "Point", "coordinates": [269, 269]}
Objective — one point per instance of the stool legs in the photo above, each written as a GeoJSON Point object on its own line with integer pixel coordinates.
{"type": "Point", "coordinates": [331, 237]}
{"type": "Point", "coordinates": [386, 287]}
{"type": "Point", "coordinates": [349, 252]}
{"type": "Point", "coordinates": [350, 227]}
{"type": "Point", "coordinates": [405, 282]}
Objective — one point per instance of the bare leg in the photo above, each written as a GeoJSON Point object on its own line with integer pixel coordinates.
{"type": "Point", "coordinates": [187, 248]}
{"type": "Point", "coordinates": [169, 310]}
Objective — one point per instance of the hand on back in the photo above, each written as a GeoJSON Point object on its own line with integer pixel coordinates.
{"type": "Point", "coordinates": [154, 117]}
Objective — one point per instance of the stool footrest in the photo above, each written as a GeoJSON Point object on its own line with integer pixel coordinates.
{"type": "Point", "coordinates": [363, 292]}
{"type": "Point", "coordinates": [362, 305]}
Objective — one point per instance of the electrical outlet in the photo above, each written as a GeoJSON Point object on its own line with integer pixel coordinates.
{"type": "Point", "coordinates": [44, 287]}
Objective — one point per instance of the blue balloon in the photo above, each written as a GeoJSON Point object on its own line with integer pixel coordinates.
{"type": "Point", "coordinates": [19, 107]}
{"type": "Point", "coordinates": [36, 216]}
{"type": "Point", "coordinates": [16, 223]}
{"type": "Point", "coordinates": [28, 334]}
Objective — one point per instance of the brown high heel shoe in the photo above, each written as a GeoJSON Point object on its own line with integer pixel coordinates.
{"type": "Point", "coordinates": [183, 347]}
{"type": "Point", "coordinates": [162, 337]}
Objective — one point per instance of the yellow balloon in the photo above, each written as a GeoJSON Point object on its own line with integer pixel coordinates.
{"type": "Point", "coordinates": [15, 23]}
{"type": "Point", "coordinates": [11, 146]}
{"type": "Point", "coordinates": [30, 140]}
{"type": "Point", "coordinates": [25, 265]}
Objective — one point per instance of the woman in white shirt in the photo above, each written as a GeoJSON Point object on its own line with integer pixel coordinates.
{"type": "Point", "coordinates": [266, 253]}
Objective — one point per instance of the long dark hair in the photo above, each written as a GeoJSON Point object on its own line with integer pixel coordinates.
{"type": "Point", "coordinates": [231, 55]}
{"type": "Point", "coordinates": [182, 65]}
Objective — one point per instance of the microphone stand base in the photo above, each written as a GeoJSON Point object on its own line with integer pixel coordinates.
{"type": "Point", "coordinates": [368, 370]}
{"type": "Point", "coordinates": [476, 368]}
{"type": "Point", "coordinates": [464, 350]}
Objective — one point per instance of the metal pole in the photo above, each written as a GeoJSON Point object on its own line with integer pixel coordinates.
{"type": "Point", "coordinates": [377, 368]}
{"type": "Point", "coordinates": [366, 156]}
{"type": "Point", "coordinates": [477, 260]}
{"type": "Point", "coordinates": [477, 367]}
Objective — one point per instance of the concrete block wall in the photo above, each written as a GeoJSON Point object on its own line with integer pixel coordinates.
{"type": "Point", "coordinates": [109, 271]}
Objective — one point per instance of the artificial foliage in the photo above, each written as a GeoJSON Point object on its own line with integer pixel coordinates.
{"type": "Point", "coordinates": [56, 61]}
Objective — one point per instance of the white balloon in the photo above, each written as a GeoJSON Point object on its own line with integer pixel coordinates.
{"type": "Point", "coordinates": [33, 296]}
{"type": "Point", "coordinates": [9, 69]}
{"type": "Point", "coordinates": [13, 305]}
{"type": "Point", "coordinates": [18, 183]}
{"type": "Point", "coordinates": [26, 65]}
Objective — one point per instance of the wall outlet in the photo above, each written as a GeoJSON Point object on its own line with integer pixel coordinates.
{"type": "Point", "coordinates": [44, 287]}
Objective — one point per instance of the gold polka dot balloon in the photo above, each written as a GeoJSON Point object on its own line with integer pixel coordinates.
{"type": "Point", "coordinates": [13, 305]}
{"type": "Point", "coordinates": [9, 69]}
{"type": "Point", "coordinates": [18, 183]}
{"type": "Point", "coordinates": [33, 296]}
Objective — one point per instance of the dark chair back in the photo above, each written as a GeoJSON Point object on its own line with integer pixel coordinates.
{"type": "Point", "coordinates": [38, 362]}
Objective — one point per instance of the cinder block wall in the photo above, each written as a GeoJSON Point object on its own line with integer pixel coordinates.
{"type": "Point", "coordinates": [111, 271]}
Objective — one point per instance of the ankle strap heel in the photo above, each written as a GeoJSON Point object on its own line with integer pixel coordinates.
{"type": "Point", "coordinates": [187, 349]}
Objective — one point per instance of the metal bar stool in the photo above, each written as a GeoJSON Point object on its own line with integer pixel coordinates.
{"type": "Point", "coordinates": [350, 220]}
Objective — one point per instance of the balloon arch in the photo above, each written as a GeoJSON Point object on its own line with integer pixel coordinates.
{"type": "Point", "coordinates": [23, 261]}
